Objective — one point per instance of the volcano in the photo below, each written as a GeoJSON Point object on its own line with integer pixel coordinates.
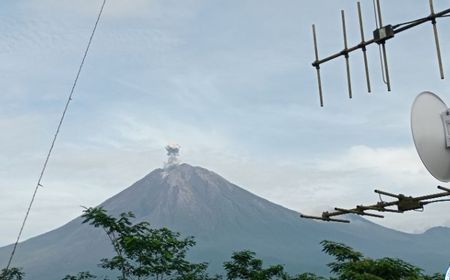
{"type": "Point", "coordinates": [223, 218]}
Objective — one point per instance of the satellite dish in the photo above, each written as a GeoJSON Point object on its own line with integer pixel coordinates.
{"type": "Point", "coordinates": [430, 125]}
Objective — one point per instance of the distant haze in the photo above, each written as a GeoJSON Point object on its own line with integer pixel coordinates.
{"type": "Point", "coordinates": [223, 218]}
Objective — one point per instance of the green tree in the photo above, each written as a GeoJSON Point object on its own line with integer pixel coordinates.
{"type": "Point", "coordinates": [307, 276]}
{"type": "Point", "coordinates": [436, 276]}
{"type": "Point", "coordinates": [142, 252]}
{"type": "Point", "coordinates": [85, 275]}
{"type": "Point", "coordinates": [12, 273]}
{"type": "Point", "coordinates": [244, 265]}
{"type": "Point", "coordinates": [352, 265]}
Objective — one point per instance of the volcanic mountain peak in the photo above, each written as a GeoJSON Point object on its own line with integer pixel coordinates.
{"type": "Point", "coordinates": [176, 194]}
{"type": "Point", "coordinates": [186, 180]}
{"type": "Point", "coordinates": [180, 175]}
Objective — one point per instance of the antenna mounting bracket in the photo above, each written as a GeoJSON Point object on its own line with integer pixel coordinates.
{"type": "Point", "coordinates": [382, 34]}
{"type": "Point", "coordinates": [407, 203]}
{"type": "Point", "coordinates": [446, 122]}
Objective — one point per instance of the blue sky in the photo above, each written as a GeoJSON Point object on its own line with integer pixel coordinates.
{"type": "Point", "coordinates": [231, 82]}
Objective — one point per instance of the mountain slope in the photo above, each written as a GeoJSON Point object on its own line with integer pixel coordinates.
{"type": "Point", "coordinates": [223, 218]}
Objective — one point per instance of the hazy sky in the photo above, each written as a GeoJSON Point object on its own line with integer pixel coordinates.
{"type": "Point", "coordinates": [231, 82]}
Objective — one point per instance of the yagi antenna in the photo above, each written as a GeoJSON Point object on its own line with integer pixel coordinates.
{"type": "Point", "coordinates": [402, 203]}
{"type": "Point", "coordinates": [381, 34]}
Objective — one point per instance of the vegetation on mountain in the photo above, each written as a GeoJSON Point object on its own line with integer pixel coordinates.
{"type": "Point", "coordinates": [143, 252]}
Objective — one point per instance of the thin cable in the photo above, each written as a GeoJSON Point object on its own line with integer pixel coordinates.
{"type": "Point", "coordinates": [56, 135]}
{"type": "Point", "coordinates": [408, 22]}
{"type": "Point", "coordinates": [437, 200]}
{"type": "Point", "coordinates": [416, 20]}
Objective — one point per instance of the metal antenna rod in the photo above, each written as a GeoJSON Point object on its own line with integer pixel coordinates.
{"type": "Point", "coordinates": [380, 20]}
{"type": "Point", "coordinates": [386, 193]}
{"type": "Point", "coordinates": [444, 189]}
{"type": "Point", "coordinates": [358, 212]}
{"type": "Point", "coordinates": [316, 51]}
{"type": "Point", "coordinates": [383, 47]}
{"type": "Point", "coordinates": [379, 47]}
{"type": "Point", "coordinates": [345, 51]}
{"type": "Point", "coordinates": [386, 69]}
{"type": "Point", "coordinates": [363, 48]}
{"type": "Point", "coordinates": [436, 40]}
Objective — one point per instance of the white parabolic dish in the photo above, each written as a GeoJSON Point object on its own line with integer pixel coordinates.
{"type": "Point", "coordinates": [429, 134]}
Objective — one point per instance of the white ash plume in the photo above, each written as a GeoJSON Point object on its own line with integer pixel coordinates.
{"type": "Point", "coordinates": [173, 151]}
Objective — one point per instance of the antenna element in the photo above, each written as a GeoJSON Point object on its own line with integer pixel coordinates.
{"type": "Point", "coordinates": [381, 34]}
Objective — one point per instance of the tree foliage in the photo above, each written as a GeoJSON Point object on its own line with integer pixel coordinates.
{"type": "Point", "coordinates": [307, 276]}
{"type": "Point", "coordinates": [142, 252]}
{"type": "Point", "coordinates": [13, 273]}
{"type": "Point", "coordinates": [85, 275]}
{"type": "Point", "coordinates": [352, 265]}
{"type": "Point", "coordinates": [244, 265]}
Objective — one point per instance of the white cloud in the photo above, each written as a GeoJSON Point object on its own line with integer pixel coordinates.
{"type": "Point", "coordinates": [348, 179]}
{"type": "Point", "coordinates": [397, 164]}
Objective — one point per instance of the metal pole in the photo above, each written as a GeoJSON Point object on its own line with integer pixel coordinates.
{"type": "Point", "coordinates": [383, 46]}
{"type": "Point", "coordinates": [347, 63]}
{"type": "Point", "coordinates": [380, 20]}
{"type": "Point", "coordinates": [316, 51]}
{"type": "Point", "coordinates": [366, 65]}
{"type": "Point", "coordinates": [386, 193]}
{"type": "Point", "coordinates": [386, 69]}
{"type": "Point", "coordinates": [436, 40]}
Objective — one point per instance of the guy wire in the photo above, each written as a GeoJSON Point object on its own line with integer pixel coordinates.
{"type": "Point", "coordinates": [44, 167]}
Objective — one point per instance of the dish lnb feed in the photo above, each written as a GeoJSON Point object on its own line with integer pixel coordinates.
{"type": "Point", "coordinates": [430, 126]}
